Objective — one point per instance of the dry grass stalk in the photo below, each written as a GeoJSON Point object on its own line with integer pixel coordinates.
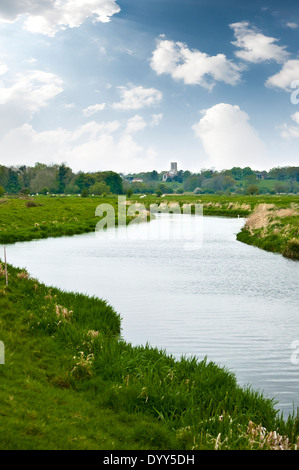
{"type": "Point", "coordinates": [270, 440]}
{"type": "Point", "coordinates": [83, 367]}
{"type": "Point", "coordinates": [93, 333]}
{"type": "Point", "coordinates": [2, 270]}
{"type": "Point", "coordinates": [286, 213]}
{"type": "Point", "coordinates": [63, 312]}
{"type": "Point", "coordinates": [23, 275]}
{"type": "Point", "coordinates": [259, 218]}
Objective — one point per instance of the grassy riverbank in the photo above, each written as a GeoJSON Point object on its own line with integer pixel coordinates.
{"type": "Point", "coordinates": [24, 219]}
{"type": "Point", "coordinates": [273, 229]}
{"type": "Point", "coordinates": [68, 382]}
{"type": "Point", "coordinates": [27, 218]}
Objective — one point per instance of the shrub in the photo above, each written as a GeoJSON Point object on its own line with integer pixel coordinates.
{"type": "Point", "coordinates": [84, 193]}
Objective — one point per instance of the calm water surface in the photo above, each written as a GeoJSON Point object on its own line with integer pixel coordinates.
{"type": "Point", "coordinates": [233, 303]}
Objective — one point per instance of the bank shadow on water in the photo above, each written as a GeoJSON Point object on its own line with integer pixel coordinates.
{"type": "Point", "coordinates": [187, 286]}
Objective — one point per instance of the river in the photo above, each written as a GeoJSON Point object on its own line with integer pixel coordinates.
{"type": "Point", "coordinates": [208, 296]}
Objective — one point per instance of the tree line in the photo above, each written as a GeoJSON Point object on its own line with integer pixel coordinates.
{"type": "Point", "coordinates": [60, 179]}
{"type": "Point", "coordinates": [57, 179]}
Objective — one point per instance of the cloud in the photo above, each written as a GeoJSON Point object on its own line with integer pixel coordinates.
{"type": "Point", "coordinates": [292, 25]}
{"type": "Point", "coordinates": [287, 75]}
{"type": "Point", "coordinates": [135, 124]}
{"type": "Point", "coordinates": [50, 16]}
{"type": "Point", "coordinates": [288, 132]}
{"type": "Point", "coordinates": [255, 46]}
{"type": "Point", "coordinates": [228, 138]}
{"type": "Point", "coordinates": [3, 68]}
{"type": "Point", "coordinates": [137, 98]}
{"type": "Point", "coordinates": [156, 119]}
{"type": "Point", "coordinates": [25, 94]}
{"type": "Point", "coordinates": [90, 110]}
{"type": "Point", "coordinates": [192, 66]}
{"type": "Point", "coordinates": [90, 147]}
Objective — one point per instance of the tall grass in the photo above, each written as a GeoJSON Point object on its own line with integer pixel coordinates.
{"type": "Point", "coordinates": [65, 349]}
{"type": "Point", "coordinates": [273, 229]}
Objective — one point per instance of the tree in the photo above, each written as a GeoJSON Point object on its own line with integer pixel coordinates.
{"type": "Point", "coordinates": [99, 188]}
{"type": "Point", "coordinates": [44, 177]}
{"type": "Point", "coordinates": [154, 175]}
{"type": "Point", "coordinates": [2, 191]}
{"type": "Point", "coordinates": [192, 183]}
{"type": "Point", "coordinates": [13, 185]}
{"type": "Point", "coordinates": [114, 181]}
{"type": "Point", "coordinates": [63, 177]}
{"type": "Point", "coordinates": [84, 193]}
{"type": "Point", "coordinates": [252, 189]}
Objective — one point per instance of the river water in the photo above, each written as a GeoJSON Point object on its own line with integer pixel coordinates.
{"type": "Point", "coordinates": [207, 295]}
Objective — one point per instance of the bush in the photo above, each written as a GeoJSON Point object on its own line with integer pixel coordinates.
{"type": "Point", "coordinates": [252, 189]}
{"type": "Point", "coordinates": [32, 204]}
{"type": "Point", "coordinates": [84, 193]}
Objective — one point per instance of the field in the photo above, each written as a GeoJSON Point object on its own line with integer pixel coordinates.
{"type": "Point", "coordinates": [69, 383]}
{"type": "Point", "coordinates": [23, 219]}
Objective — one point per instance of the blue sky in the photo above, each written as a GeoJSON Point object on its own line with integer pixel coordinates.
{"type": "Point", "coordinates": [130, 85]}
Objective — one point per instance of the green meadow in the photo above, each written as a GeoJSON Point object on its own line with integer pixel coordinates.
{"type": "Point", "coordinates": [70, 382]}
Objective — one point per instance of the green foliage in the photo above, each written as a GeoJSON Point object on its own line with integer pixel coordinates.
{"type": "Point", "coordinates": [252, 189]}
{"type": "Point", "coordinates": [99, 189]}
{"type": "Point", "coordinates": [69, 382]}
{"type": "Point", "coordinates": [85, 193]}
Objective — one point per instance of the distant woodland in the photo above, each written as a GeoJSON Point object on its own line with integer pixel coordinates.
{"type": "Point", "coordinates": [60, 179]}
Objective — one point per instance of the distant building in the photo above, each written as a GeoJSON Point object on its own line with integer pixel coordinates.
{"type": "Point", "coordinates": [174, 167]}
{"type": "Point", "coordinates": [137, 180]}
{"type": "Point", "coordinates": [172, 173]}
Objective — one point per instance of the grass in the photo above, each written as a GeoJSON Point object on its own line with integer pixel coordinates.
{"type": "Point", "coordinates": [273, 229]}
{"type": "Point", "coordinates": [23, 219]}
{"type": "Point", "coordinates": [69, 382]}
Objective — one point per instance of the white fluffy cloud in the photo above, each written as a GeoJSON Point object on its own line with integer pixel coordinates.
{"type": "Point", "coordinates": [135, 124]}
{"type": "Point", "coordinates": [90, 147]}
{"type": "Point", "coordinates": [287, 131]}
{"type": "Point", "coordinates": [228, 138]}
{"type": "Point", "coordinates": [286, 76]}
{"type": "Point", "coordinates": [93, 109]}
{"type": "Point", "coordinates": [255, 46]}
{"type": "Point", "coordinates": [137, 98]}
{"type": "Point", "coordinates": [50, 16]}
{"type": "Point", "coordinates": [192, 66]}
{"type": "Point", "coordinates": [25, 94]}
{"type": "Point", "coordinates": [292, 25]}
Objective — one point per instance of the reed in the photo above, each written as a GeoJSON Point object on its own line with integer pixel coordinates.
{"type": "Point", "coordinates": [71, 382]}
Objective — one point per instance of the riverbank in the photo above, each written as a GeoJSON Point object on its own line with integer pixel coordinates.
{"type": "Point", "coordinates": [273, 229]}
{"type": "Point", "coordinates": [69, 383]}
{"type": "Point", "coordinates": [28, 218]}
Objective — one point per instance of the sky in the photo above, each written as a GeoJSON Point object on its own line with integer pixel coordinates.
{"type": "Point", "coordinates": [132, 85]}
